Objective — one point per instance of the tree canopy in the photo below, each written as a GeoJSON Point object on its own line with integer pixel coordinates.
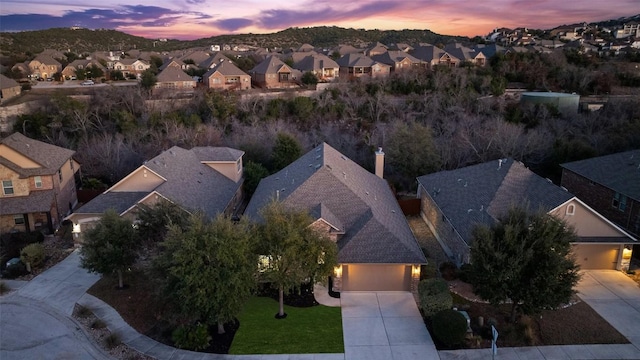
{"type": "Point", "coordinates": [208, 269]}
{"type": "Point", "coordinates": [110, 246]}
{"type": "Point", "coordinates": [524, 258]}
{"type": "Point", "coordinates": [285, 151]}
{"type": "Point", "coordinates": [292, 252]}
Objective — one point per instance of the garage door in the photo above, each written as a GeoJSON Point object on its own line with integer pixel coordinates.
{"type": "Point", "coordinates": [596, 256]}
{"type": "Point", "coordinates": [358, 277]}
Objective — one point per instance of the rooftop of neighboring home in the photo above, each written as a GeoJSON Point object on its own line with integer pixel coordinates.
{"type": "Point", "coordinates": [619, 172]}
{"type": "Point", "coordinates": [394, 56]}
{"type": "Point", "coordinates": [49, 158]}
{"type": "Point", "coordinates": [270, 65]}
{"type": "Point", "coordinates": [186, 180]}
{"type": "Point", "coordinates": [7, 83]}
{"type": "Point", "coordinates": [355, 202]}
{"type": "Point", "coordinates": [482, 193]}
{"type": "Point", "coordinates": [316, 62]}
{"type": "Point", "coordinates": [172, 73]}
{"type": "Point", "coordinates": [355, 60]}
{"type": "Point", "coordinates": [226, 68]}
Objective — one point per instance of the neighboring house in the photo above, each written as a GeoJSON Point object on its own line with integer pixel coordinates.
{"type": "Point", "coordinates": [489, 50]}
{"type": "Point", "coordinates": [376, 48]}
{"type": "Point", "coordinates": [454, 202]}
{"type": "Point", "coordinates": [434, 56]}
{"type": "Point", "coordinates": [176, 63]}
{"type": "Point", "coordinates": [376, 249]}
{"type": "Point", "coordinates": [197, 57]}
{"type": "Point", "coordinates": [80, 64]}
{"type": "Point", "coordinates": [226, 76]}
{"type": "Point", "coordinates": [272, 73]}
{"type": "Point", "coordinates": [346, 49]}
{"type": "Point", "coordinates": [44, 66]}
{"type": "Point", "coordinates": [38, 184]}
{"type": "Point", "coordinates": [23, 68]}
{"type": "Point", "coordinates": [466, 54]}
{"type": "Point", "coordinates": [305, 48]}
{"type": "Point", "coordinates": [213, 60]}
{"type": "Point", "coordinates": [322, 66]}
{"type": "Point", "coordinates": [207, 179]}
{"type": "Point", "coordinates": [398, 60]}
{"type": "Point", "coordinates": [174, 78]}
{"type": "Point", "coordinates": [610, 184]}
{"type": "Point", "coordinates": [9, 88]}
{"type": "Point", "coordinates": [131, 66]}
{"type": "Point", "coordinates": [358, 65]}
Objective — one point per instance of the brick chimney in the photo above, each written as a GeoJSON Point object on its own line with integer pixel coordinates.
{"type": "Point", "coordinates": [380, 163]}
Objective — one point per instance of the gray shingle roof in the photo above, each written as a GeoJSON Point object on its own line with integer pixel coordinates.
{"type": "Point", "coordinates": [482, 193]}
{"type": "Point", "coordinates": [226, 68]}
{"type": "Point", "coordinates": [173, 74]}
{"type": "Point", "coordinates": [619, 172]}
{"type": "Point", "coordinates": [375, 230]}
{"type": "Point", "coordinates": [316, 62]}
{"type": "Point", "coordinates": [50, 157]}
{"type": "Point", "coordinates": [7, 83]}
{"type": "Point", "coordinates": [120, 201]}
{"type": "Point", "coordinates": [355, 60]}
{"type": "Point", "coordinates": [392, 57]}
{"type": "Point", "coordinates": [270, 65]}
{"type": "Point", "coordinates": [37, 201]}
{"type": "Point", "coordinates": [189, 183]}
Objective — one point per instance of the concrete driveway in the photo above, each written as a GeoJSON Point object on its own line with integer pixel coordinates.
{"type": "Point", "coordinates": [384, 325]}
{"type": "Point", "coordinates": [616, 298]}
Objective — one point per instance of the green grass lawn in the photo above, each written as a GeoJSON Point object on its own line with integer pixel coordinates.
{"type": "Point", "coordinates": [316, 329]}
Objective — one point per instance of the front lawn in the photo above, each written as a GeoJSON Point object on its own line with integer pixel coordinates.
{"type": "Point", "coordinates": [316, 329]}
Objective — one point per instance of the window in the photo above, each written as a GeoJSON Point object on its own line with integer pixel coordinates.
{"type": "Point", "coordinates": [571, 209]}
{"type": "Point", "coordinates": [7, 187]}
{"type": "Point", "coordinates": [60, 175]}
{"type": "Point", "coordinates": [18, 219]}
{"type": "Point", "coordinates": [238, 165]}
{"type": "Point", "coordinates": [38, 181]}
{"type": "Point", "coordinates": [619, 201]}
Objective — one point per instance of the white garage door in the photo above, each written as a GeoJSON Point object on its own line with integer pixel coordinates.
{"type": "Point", "coordinates": [359, 277]}
{"type": "Point", "coordinates": [596, 256]}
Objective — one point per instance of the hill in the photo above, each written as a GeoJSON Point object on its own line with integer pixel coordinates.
{"type": "Point", "coordinates": [81, 41]}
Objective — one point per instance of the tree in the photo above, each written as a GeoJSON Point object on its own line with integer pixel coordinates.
{"type": "Point", "coordinates": [411, 151]}
{"type": "Point", "coordinates": [94, 71]}
{"type": "Point", "coordinates": [148, 80]}
{"type": "Point", "coordinates": [285, 151]}
{"type": "Point", "coordinates": [525, 258]}
{"type": "Point", "coordinates": [110, 247]}
{"type": "Point", "coordinates": [292, 251]}
{"type": "Point", "coordinates": [153, 221]}
{"type": "Point", "coordinates": [309, 78]}
{"type": "Point", "coordinates": [253, 173]}
{"type": "Point", "coordinates": [208, 270]}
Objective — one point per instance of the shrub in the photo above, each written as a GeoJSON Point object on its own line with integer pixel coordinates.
{"type": "Point", "coordinates": [191, 337]}
{"type": "Point", "coordinates": [83, 311]}
{"type": "Point", "coordinates": [465, 271]}
{"type": "Point", "coordinates": [449, 271]}
{"type": "Point", "coordinates": [3, 288]}
{"type": "Point", "coordinates": [32, 254]}
{"type": "Point", "coordinates": [434, 296]}
{"type": "Point", "coordinates": [98, 324]}
{"type": "Point", "coordinates": [112, 340]}
{"type": "Point", "coordinates": [449, 327]}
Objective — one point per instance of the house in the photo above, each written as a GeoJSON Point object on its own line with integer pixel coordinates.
{"type": "Point", "coordinates": [225, 75]}
{"type": "Point", "coordinates": [357, 65]}
{"type": "Point", "coordinates": [131, 66]}
{"type": "Point", "coordinates": [213, 60]}
{"type": "Point", "coordinates": [305, 48]}
{"type": "Point", "coordinates": [272, 73]}
{"type": "Point", "coordinates": [376, 48]}
{"type": "Point", "coordinates": [196, 57]}
{"type": "Point", "coordinates": [434, 56]}
{"type": "Point", "coordinates": [356, 209]}
{"type": "Point", "coordinates": [629, 29]}
{"type": "Point", "coordinates": [9, 88]}
{"type": "Point", "coordinates": [174, 78]}
{"type": "Point", "coordinates": [207, 179]}
{"type": "Point", "coordinates": [610, 184]}
{"type": "Point", "coordinates": [80, 64]}
{"type": "Point", "coordinates": [44, 66]}
{"type": "Point", "coordinates": [322, 66]}
{"type": "Point", "coordinates": [454, 202]}
{"type": "Point", "coordinates": [38, 184]}
{"type": "Point", "coordinates": [346, 49]}
{"type": "Point", "coordinates": [466, 54]}
{"type": "Point", "coordinates": [176, 63]}
{"type": "Point", "coordinates": [398, 60]}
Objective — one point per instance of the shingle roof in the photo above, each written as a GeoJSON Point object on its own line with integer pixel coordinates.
{"type": "Point", "coordinates": [480, 194]}
{"type": "Point", "coordinates": [6, 83]}
{"type": "Point", "coordinates": [325, 181]}
{"type": "Point", "coordinates": [394, 56]}
{"type": "Point", "coordinates": [209, 153]}
{"type": "Point", "coordinates": [120, 201]}
{"type": "Point", "coordinates": [355, 60]}
{"type": "Point", "coordinates": [37, 201]}
{"type": "Point", "coordinates": [50, 157]}
{"type": "Point", "coordinates": [213, 60]}
{"type": "Point", "coordinates": [189, 183]}
{"type": "Point", "coordinates": [428, 53]}
{"type": "Point", "coordinates": [270, 65]}
{"type": "Point", "coordinates": [226, 68]}
{"type": "Point", "coordinates": [316, 62]}
{"type": "Point", "coordinates": [173, 74]}
{"type": "Point", "coordinates": [619, 172]}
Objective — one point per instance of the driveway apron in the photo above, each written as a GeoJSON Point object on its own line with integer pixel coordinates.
{"type": "Point", "coordinates": [384, 325]}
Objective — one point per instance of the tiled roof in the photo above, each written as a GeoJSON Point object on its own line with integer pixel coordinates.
{"type": "Point", "coordinates": [37, 201]}
{"type": "Point", "coordinates": [480, 194]}
{"type": "Point", "coordinates": [50, 157]}
{"type": "Point", "coordinates": [329, 185]}
{"type": "Point", "coordinates": [619, 172]}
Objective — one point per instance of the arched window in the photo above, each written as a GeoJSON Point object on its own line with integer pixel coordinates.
{"type": "Point", "coordinates": [571, 209]}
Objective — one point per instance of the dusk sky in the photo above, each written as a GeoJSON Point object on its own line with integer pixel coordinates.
{"type": "Point", "coordinates": [192, 19]}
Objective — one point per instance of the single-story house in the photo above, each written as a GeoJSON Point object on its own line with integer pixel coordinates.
{"type": "Point", "coordinates": [454, 202]}
{"type": "Point", "coordinates": [377, 250]}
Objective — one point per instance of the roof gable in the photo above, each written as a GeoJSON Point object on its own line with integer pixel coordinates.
{"type": "Point", "coordinates": [49, 158]}
{"type": "Point", "coordinates": [173, 74]}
